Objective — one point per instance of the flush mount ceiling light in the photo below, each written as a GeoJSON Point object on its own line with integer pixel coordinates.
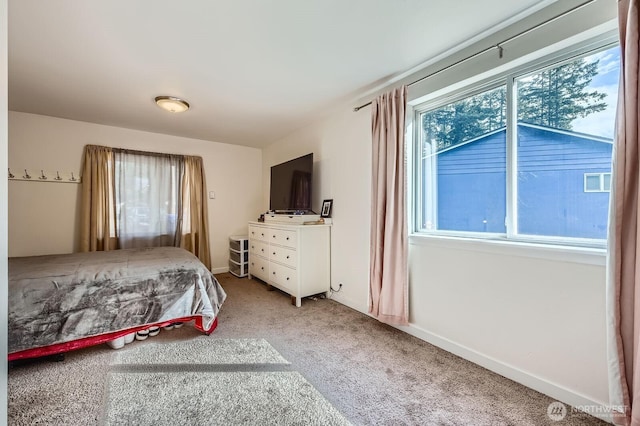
{"type": "Point", "coordinates": [172, 104]}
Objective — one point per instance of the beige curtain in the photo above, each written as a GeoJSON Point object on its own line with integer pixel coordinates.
{"type": "Point", "coordinates": [388, 286]}
{"type": "Point", "coordinates": [97, 227]}
{"type": "Point", "coordinates": [623, 283]}
{"type": "Point", "coordinates": [195, 217]}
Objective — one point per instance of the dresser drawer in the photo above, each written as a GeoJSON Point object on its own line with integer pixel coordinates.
{"type": "Point", "coordinates": [258, 233]}
{"type": "Point", "coordinates": [284, 237]}
{"type": "Point", "coordinates": [283, 277]}
{"type": "Point", "coordinates": [259, 248]}
{"type": "Point", "coordinates": [283, 255]}
{"type": "Point", "coordinates": [259, 268]}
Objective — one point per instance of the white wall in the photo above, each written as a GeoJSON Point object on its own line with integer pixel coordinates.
{"type": "Point", "coordinates": [342, 165]}
{"type": "Point", "coordinates": [43, 216]}
{"type": "Point", "coordinates": [534, 316]}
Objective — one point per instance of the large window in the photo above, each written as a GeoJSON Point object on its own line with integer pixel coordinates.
{"type": "Point", "coordinates": [148, 191]}
{"type": "Point", "coordinates": [524, 157]}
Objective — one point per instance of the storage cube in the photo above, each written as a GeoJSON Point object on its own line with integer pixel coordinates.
{"type": "Point", "coordinates": [239, 255]}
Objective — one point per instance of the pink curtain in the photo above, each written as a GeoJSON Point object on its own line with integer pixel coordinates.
{"type": "Point", "coordinates": [388, 286]}
{"type": "Point", "coordinates": [623, 284]}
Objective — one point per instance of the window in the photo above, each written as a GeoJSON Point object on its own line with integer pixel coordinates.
{"type": "Point", "coordinates": [597, 182]}
{"type": "Point", "coordinates": [147, 198]}
{"type": "Point", "coordinates": [143, 199]}
{"type": "Point", "coordinates": [525, 157]}
{"type": "Point", "coordinates": [463, 163]}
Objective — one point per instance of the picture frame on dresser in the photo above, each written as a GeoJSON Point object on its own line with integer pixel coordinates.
{"type": "Point", "coordinates": [327, 205]}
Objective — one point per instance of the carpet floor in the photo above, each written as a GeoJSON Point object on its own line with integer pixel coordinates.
{"type": "Point", "coordinates": [372, 374]}
{"type": "Point", "coordinates": [236, 381]}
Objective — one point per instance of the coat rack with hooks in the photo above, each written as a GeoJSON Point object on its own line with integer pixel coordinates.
{"type": "Point", "coordinates": [45, 176]}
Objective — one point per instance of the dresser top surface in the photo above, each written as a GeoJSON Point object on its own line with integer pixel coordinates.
{"type": "Point", "coordinates": [288, 225]}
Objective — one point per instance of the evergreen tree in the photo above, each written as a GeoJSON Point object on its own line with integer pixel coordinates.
{"type": "Point", "coordinates": [466, 119]}
{"type": "Point", "coordinates": [551, 98]}
{"type": "Point", "coordinates": [556, 97]}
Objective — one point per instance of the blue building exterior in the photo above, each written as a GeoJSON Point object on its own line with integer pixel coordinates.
{"type": "Point", "coordinates": [562, 184]}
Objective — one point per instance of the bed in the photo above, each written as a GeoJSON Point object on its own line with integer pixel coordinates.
{"type": "Point", "coordinates": [63, 302]}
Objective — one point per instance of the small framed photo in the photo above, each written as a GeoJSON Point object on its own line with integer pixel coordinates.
{"type": "Point", "coordinates": [326, 208]}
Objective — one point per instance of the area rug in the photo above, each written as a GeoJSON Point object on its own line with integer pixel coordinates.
{"type": "Point", "coordinates": [235, 381]}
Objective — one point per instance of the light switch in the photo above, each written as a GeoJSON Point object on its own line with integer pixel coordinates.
{"type": "Point", "coordinates": [212, 195]}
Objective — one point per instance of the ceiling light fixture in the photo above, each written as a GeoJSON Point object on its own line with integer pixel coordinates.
{"type": "Point", "coordinates": [172, 104]}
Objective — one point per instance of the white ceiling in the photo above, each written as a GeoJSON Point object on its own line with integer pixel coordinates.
{"type": "Point", "coordinates": [253, 71]}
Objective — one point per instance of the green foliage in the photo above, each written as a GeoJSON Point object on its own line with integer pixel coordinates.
{"type": "Point", "coordinates": [556, 97]}
{"type": "Point", "coordinates": [551, 98]}
{"type": "Point", "coordinates": [466, 119]}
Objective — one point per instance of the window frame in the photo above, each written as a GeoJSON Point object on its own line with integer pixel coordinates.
{"type": "Point", "coordinates": [602, 183]}
{"type": "Point", "coordinates": [534, 63]}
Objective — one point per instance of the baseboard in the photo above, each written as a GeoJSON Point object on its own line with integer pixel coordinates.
{"type": "Point", "coordinates": [553, 390]}
{"type": "Point", "coordinates": [221, 270]}
{"type": "Point", "coordinates": [348, 302]}
{"type": "Point", "coordinates": [597, 408]}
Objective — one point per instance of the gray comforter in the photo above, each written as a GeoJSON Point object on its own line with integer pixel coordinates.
{"type": "Point", "coordinates": [61, 298]}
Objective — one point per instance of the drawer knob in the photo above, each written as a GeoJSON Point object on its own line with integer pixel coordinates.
{"type": "Point", "coordinates": [262, 267]}
{"type": "Point", "coordinates": [274, 253]}
{"type": "Point", "coordinates": [262, 234]}
{"type": "Point", "coordinates": [287, 238]}
{"type": "Point", "coordinates": [274, 272]}
{"type": "Point", "coordinates": [287, 278]}
{"type": "Point", "coordinates": [274, 236]}
{"type": "Point", "coordinates": [287, 257]}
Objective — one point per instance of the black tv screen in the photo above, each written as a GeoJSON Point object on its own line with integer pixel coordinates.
{"type": "Point", "coordinates": [291, 185]}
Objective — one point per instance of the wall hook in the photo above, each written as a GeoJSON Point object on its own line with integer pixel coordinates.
{"type": "Point", "coordinates": [11, 176]}
{"type": "Point", "coordinates": [57, 176]}
{"type": "Point", "coordinates": [42, 176]}
{"type": "Point", "coordinates": [72, 179]}
{"type": "Point", "coordinates": [26, 174]}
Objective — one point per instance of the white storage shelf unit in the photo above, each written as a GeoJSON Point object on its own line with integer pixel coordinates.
{"type": "Point", "coordinates": [239, 255]}
{"type": "Point", "coordinates": [293, 258]}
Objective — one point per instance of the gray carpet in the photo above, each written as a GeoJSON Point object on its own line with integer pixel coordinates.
{"type": "Point", "coordinates": [371, 373]}
{"type": "Point", "coordinates": [200, 351]}
{"type": "Point", "coordinates": [234, 382]}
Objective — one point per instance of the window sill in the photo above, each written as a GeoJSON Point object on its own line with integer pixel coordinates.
{"type": "Point", "coordinates": [583, 255]}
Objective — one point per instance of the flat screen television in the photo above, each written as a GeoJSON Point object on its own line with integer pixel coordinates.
{"type": "Point", "coordinates": [291, 186]}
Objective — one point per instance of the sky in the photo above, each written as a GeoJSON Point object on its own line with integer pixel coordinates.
{"type": "Point", "coordinates": [602, 123]}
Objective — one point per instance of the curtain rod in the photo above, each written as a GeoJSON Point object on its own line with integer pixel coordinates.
{"type": "Point", "coordinates": [496, 46]}
{"type": "Point", "coordinates": [147, 153]}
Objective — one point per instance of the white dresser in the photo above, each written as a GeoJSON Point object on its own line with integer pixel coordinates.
{"type": "Point", "coordinates": [294, 258]}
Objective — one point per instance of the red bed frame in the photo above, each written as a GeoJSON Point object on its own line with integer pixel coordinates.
{"type": "Point", "coordinates": [103, 338]}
